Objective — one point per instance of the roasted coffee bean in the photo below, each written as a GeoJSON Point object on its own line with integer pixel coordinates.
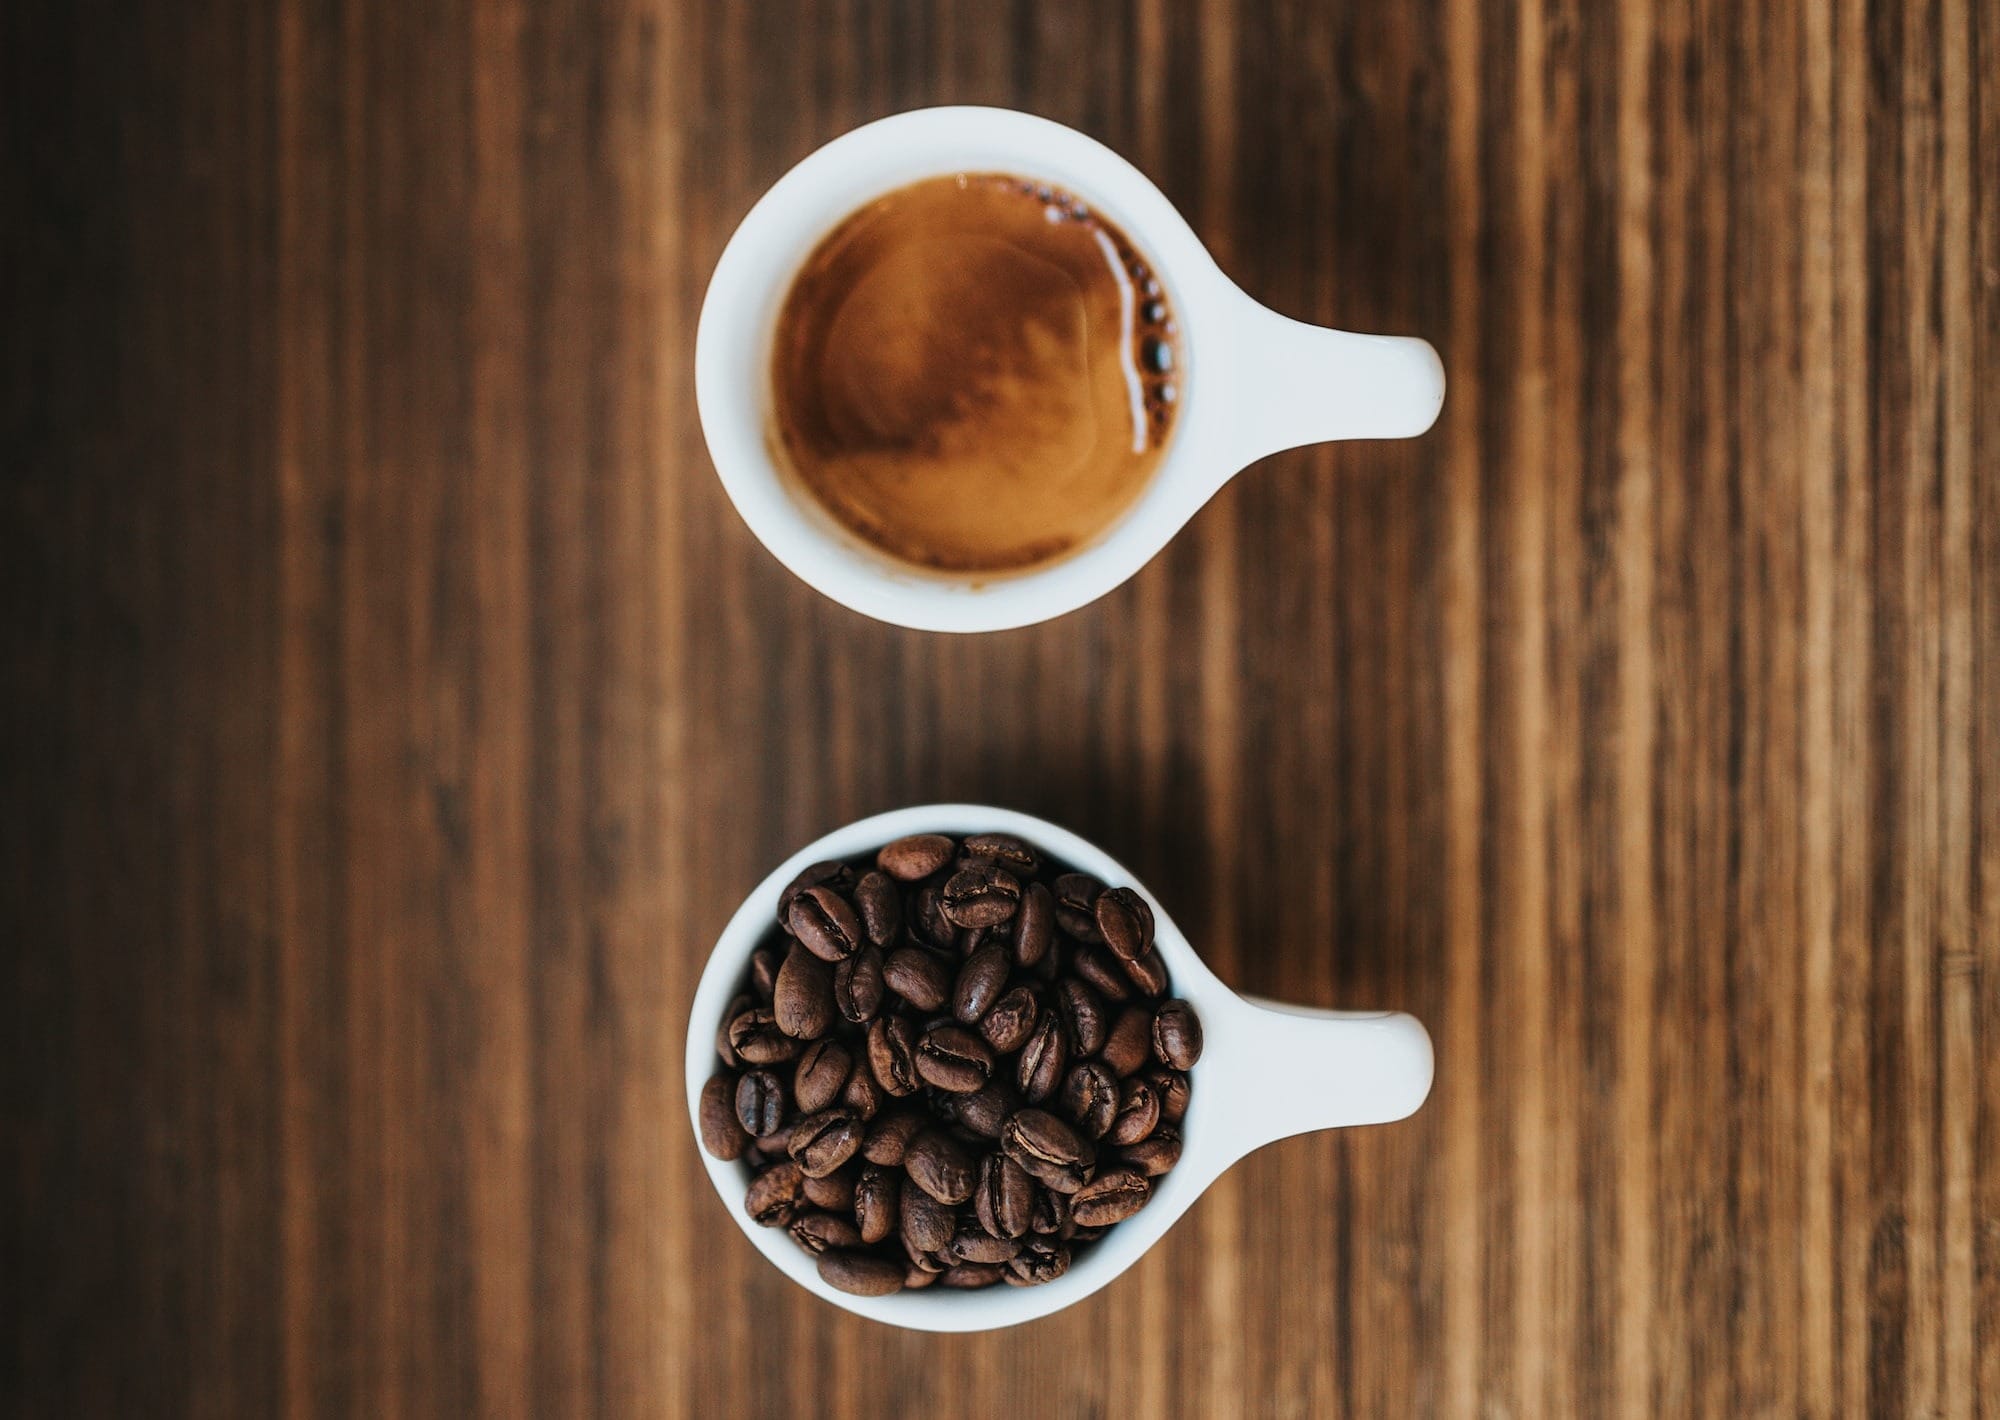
{"type": "Point", "coordinates": [817, 1231]}
{"type": "Point", "coordinates": [1138, 1113]}
{"type": "Point", "coordinates": [1040, 1067]}
{"type": "Point", "coordinates": [1039, 1262]}
{"type": "Point", "coordinates": [1034, 924]}
{"type": "Point", "coordinates": [1004, 1200]}
{"type": "Point", "coordinates": [1009, 1021]}
{"type": "Point", "coordinates": [772, 1145]}
{"type": "Point", "coordinates": [980, 982]}
{"type": "Point", "coordinates": [1035, 1134]}
{"type": "Point", "coordinates": [914, 858]}
{"type": "Point", "coordinates": [1103, 971]}
{"type": "Point", "coordinates": [981, 895]}
{"type": "Point", "coordinates": [917, 1278]}
{"type": "Point", "coordinates": [1083, 1014]}
{"type": "Point", "coordinates": [970, 940]}
{"type": "Point", "coordinates": [1081, 1234]}
{"type": "Point", "coordinates": [984, 1112]}
{"type": "Point", "coordinates": [760, 1103]}
{"type": "Point", "coordinates": [756, 1038]}
{"type": "Point", "coordinates": [835, 1192]}
{"type": "Point", "coordinates": [837, 876]}
{"type": "Point", "coordinates": [722, 1134]}
{"type": "Point", "coordinates": [827, 923]}
{"type": "Point", "coordinates": [1076, 905]}
{"type": "Point", "coordinates": [1148, 973]}
{"type": "Point", "coordinates": [1125, 922]}
{"type": "Point", "coordinates": [803, 1000]}
{"type": "Point", "coordinates": [861, 1273]}
{"type": "Point", "coordinates": [821, 1143]}
{"type": "Point", "coordinates": [890, 1135]}
{"type": "Point", "coordinates": [738, 1004]}
{"type": "Point", "coordinates": [1177, 1035]}
{"type": "Point", "coordinates": [1051, 1151]}
{"type": "Point", "coordinates": [1090, 1097]}
{"type": "Point", "coordinates": [1172, 1088]}
{"type": "Point", "coordinates": [927, 922]}
{"type": "Point", "coordinates": [1155, 1155]}
{"type": "Point", "coordinates": [1004, 849]}
{"type": "Point", "coordinates": [822, 1073]}
{"type": "Point", "coordinates": [925, 1223]}
{"type": "Point", "coordinates": [979, 1245]}
{"type": "Point", "coordinates": [967, 1276]}
{"type": "Point", "coordinates": [920, 977]}
{"type": "Point", "coordinates": [764, 964]}
{"type": "Point", "coordinates": [940, 1166]}
{"type": "Point", "coordinates": [892, 1046]}
{"type": "Point", "coordinates": [1051, 1216]}
{"type": "Point", "coordinates": [862, 1097]}
{"type": "Point", "coordinates": [933, 1262]}
{"type": "Point", "coordinates": [1129, 1046]}
{"type": "Point", "coordinates": [880, 904]}
{"type": "Point", "coordinates": [1111, 1197]}
{"type": "Point", "coordinates": [858, 985]}
{"type": "Point", "coordinates": [773, 1196]}
{"type": "Point", "coordinates": [953, 1058]}
{"type": "Point", "coordinates": [877, 1199]}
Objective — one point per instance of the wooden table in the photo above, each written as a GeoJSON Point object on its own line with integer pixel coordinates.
{"type": "Point", "coordinates": [396, 709]}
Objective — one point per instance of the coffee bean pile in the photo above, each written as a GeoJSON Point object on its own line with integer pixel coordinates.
{"type": "Point", "coordinates": [951, 1066]}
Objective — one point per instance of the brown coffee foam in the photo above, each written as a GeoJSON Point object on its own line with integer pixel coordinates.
{"type": "Point", "coordinates": [959, 375]}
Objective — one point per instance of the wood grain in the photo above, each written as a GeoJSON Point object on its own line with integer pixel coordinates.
{"type": "Point", "coordinates": [395, 709]}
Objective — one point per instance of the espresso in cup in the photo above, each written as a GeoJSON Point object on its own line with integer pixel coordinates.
{"type": "Point", "coordinates": [975, 374]}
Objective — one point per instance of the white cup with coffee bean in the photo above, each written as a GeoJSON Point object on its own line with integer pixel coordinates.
{"type": "Point", "coordinates": [965, 369]}
{"type": "Point", "coordinates": [953, 1068]}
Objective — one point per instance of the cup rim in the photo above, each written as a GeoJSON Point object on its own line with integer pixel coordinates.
{"type": "Point", "coordinates": [1206, 1147]}
{"type": "Point", "coordinates": [786, 224]}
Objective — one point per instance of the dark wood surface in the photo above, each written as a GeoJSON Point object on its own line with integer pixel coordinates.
{"type": "Point", "coordinates": [395, 709]}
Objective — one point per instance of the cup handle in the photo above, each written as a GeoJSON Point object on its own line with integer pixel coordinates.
{"type": "Point", "coordinates": [1306, 384]}
{"type": "Point", "coordinates": [1311, 1069]}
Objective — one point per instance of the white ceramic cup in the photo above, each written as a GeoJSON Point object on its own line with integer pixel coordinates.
{"type": "Point", "coordinates": [1253, 382]}
{"type": "Point", "coordinates": [1344, 1068]}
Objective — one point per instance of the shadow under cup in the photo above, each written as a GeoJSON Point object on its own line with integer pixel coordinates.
{"type": "Point", "coordinates": [974, 375]}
